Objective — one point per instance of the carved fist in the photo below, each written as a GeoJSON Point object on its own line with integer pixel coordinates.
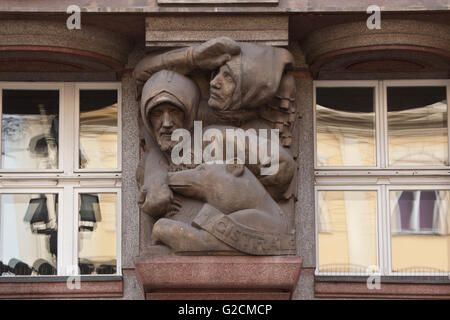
{"type": "Point", "coordinates": [156, 201]}
{"type": "Point", "coordinates": [215, 52]}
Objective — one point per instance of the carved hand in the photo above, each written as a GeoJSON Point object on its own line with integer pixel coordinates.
{"type": "Point", "coordinates": [215, 52]}
{"type": "Point", "coordinates": [156, 201]}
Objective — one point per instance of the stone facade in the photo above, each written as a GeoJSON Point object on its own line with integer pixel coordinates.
{"type": "Point", "coordinates": [325, 38]}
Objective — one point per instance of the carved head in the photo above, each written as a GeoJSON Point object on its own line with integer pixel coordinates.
{"type": "Point", "coordinates": [221, 185]}
{"type": "Point", "coordinates": [249, 79]}
{"type": "Point", "coordinates": [222, 87]}
{"type": "Point", "coordinates": [169, 101]}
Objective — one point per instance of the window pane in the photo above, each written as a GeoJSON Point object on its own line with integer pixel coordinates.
{"type": "Point", "coordinates": [97, 250]}
{"type": "Point", "coordinates": [420, 230]}
{"type": "Point", "coordinates": [28, 234]}
{"type": "Point", "coordinates": [347, 231]}
{"type": "Point", "coordinates": [30, 129]}
{"type": "Point", "coordinates": [417, 126]}
{"type": "Point", "coordinates": [345, 124]}
{"type": "Point", "coordinates": [98, 129]}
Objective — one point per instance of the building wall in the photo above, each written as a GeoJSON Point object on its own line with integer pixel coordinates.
{"type": "Point", "coordinates": [133, 226]}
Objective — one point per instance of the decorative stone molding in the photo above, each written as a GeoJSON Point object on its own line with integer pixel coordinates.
{"type": "Point", "coordinates": [170, 31]}
{"type": "Point", "coordinates": [195, 278]}
{"type": "Point", "coordinates": [50, 46]}
{"type": "Point", "coordinates": [354, 47]}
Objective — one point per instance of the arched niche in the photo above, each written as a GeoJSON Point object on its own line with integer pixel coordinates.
{"type": "Point", "coordinates": [400, 49]}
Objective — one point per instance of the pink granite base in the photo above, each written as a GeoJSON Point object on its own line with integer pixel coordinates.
{"type": "Point", "coordinates": [224, 277]}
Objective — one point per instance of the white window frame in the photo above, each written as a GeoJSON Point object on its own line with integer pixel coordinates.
{"type": "Point", "coordinates": [98, 86]}
{"type": "Point", "coordinates": [377, 129]}
{"type": "Point", "coordinates": [414, 83]}
{"type": "Point", "coordinates": [381, 134]}
{"type": "Point", "coordinates": [57, 86]}
{"type": "Point", "coordinates": [380, 256]}
{"type": "Point", "coordinates": [388, 249]}
{"type": "Point", "coordinates": [382, 177]}
{"type": "Point", "coordinates": [36, 190]}
{"type": "Point", "coordinates": [75, 221]}
{"type": "Point", "coordinates": [67, 180]}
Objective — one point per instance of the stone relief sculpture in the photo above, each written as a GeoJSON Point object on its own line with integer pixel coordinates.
{"type": "Point", "coordinates": [225, 208]}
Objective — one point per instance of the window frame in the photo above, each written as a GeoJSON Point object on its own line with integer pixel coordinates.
{"type": "Point", "coordinates": [404, 187]}
{"type": "Point", "coordinates": [62, 114]}
{"type": "Point", "coordinates": [413, 83]}
{"type": "Point", "coordinates": [348, 83]}
{"type": "Point", "coordinates": [381, 130]}
{"type": "Point", "coordinates": [46, 190]}
{"type": "Point", "coordinates": [379, 237]}
{"type": "Point", "coordinates": [98, 86]}
{"type": "Point", "coordinates": [382, 177]}
{"type": "Point", "coordinates": [117, 191]}
{"type": "Point", "coordinates": [67, 181]}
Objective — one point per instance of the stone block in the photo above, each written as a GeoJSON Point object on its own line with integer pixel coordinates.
{"type": "Point", "coordinates": [214, 277]}
{"type": "Point", "coordinates": [171, 31]}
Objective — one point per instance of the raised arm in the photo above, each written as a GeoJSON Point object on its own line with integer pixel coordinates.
{"type": "Point", "coordinates": [207, 56]}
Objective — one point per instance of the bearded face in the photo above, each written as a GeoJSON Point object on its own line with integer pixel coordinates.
{"type": "Point", "coordinates": [166, 118]}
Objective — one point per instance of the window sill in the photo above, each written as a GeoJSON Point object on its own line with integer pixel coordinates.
{"type": "Point", "coordinates": [56, 287]}
{"type": "Point", "coordinates": [401, 287]}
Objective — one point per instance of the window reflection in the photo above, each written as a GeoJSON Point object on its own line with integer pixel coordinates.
{"type": "Point", "coordinates": [345, 127]}
{"type": "Point", "coordinates": [28, 234]}
{"type": "Point", "coordinates": [347, 234]}
{"type": "Point", "coordinates": [420, 230]}
{"type": "Point", "coordinates": [98, 129]}
{"type": "Point", "coordinates": [97, 233]}
{"type": "Point", "coordinates": [30, 129]}
{"type": "Point", "coordinates": [417, 126]}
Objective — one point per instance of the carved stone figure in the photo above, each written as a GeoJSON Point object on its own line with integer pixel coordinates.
{"type": "Point", "coordinates": [238, 211]}
{"type": "Point", "coordinates": [227, 208]}
{"type": "Point", "coordinates": [169, 102]}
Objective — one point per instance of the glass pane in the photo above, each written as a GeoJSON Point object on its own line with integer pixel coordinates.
{"type": "Point", "coordinates": [97, 250]}
{"type": "Point", "coordinates": [30, 129]}
{"type": "Point", "coordinates": [28, 234]}
{"type": "Point", "coordinates": [98, 129]}
{"type": "Point", "coordinates": [345, 124]}
{"type": "Point", "coordinates": [420, 230]}
{"type": "Point", "coordinates": [417, 126]}
{"type": "Point", "coordinates": [347, 231]}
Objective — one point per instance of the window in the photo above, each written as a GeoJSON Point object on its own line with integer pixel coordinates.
{"type": "Point", "coordinates": [382, 177]}
{"type": "Point", "coordinates": [60, 178]}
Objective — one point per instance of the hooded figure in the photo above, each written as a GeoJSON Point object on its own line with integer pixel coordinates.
{"type": "Point", "coordinates": [170, 87]}
{"type": "Point", "coordinates": [257, 72]}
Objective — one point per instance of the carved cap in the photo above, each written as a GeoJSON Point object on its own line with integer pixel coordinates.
{"type": "Point", "coordinates": [171, 87]}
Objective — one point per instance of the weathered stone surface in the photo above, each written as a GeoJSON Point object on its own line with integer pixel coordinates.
{"type": "Point", "coordinates": [341, 37]}
{"type": "Point", "coordinates": [170, 31]}
{"type": "Point", "coordinates": [185, 277]}
{"type": "Point", "coordinates": [287, 6]}
{"type": "Point", "coordinates": [249, 90]}
{"type": "Point", "coordinates": [52, 38]}
{"type": "Point", "coordinates": [130, 159]}
{"type": "Point", "coordinates": [305, 214]}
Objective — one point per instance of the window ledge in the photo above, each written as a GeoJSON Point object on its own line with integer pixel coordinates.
{"type": "Point", "coordinates": [57, 287]}
{"type": "Point", "coordinates": [401, 287]}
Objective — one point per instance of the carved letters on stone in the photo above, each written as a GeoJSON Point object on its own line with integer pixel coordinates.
{"type": "Point", "coordinates": [227, 207]}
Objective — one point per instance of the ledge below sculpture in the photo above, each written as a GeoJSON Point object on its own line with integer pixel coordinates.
{"type": "Point", "coordinates": [219, 277]}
